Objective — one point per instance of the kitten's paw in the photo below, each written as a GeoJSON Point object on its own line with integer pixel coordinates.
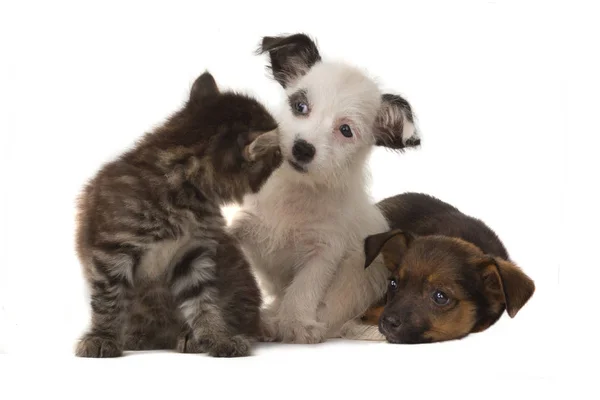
{"type": "Point", "coordinates": [265, 146]}
{"type": "Point", "coordinates": [188, 343]}
{"type": "Point", "coordinates": [235, 346]}
{"type": "Point", "coordinates": [98, 347]}
{"type": "Point", "coordinates": [302, 331]}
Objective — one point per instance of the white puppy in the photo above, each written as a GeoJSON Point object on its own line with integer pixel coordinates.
{"type": "Point", "coordinates": [304, 231]}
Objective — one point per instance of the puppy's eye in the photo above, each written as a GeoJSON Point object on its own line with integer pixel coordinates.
{"type": "Point", "coordinates": [345, 130]}
{"type": "Point", "coordinates": [440, 298]}
{"type": "Point", "coordinates": [393, 284]}
{"type": "Point", "coordinates": [301, 107]}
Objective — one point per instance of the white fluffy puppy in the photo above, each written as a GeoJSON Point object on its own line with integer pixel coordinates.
{"type": "Point", "coordinates": [304, 231]}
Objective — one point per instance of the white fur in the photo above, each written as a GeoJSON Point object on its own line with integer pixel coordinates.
{"type": "Point", "coordinates": [303, 233]}
{"type": "Point", "coordinates": [355, 330]}
{"type": "Point", "coordinates": [409, 132]}
{"type": "Point", "coordinates": [337, 94]}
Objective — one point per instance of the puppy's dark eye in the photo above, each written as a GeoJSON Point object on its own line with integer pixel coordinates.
{"type": "Point", "coordinates": [393, 285]}
{"type": "Point", "coordinates": [440, 298]}
{"type": "Point", "coordinates": [345, 130]}
{"type": "Point", "coordinates": [301, 107]}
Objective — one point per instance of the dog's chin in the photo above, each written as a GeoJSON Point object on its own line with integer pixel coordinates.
{"type": "Point", "coordinates": [297, 167]}
{"type": "Point", "coordinates": [402, 339]}
{"type": "Point", "coordinates": [393, 340]}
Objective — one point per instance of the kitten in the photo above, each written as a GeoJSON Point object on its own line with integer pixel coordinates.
{"type": "Point", "coordinates": [151, 237]}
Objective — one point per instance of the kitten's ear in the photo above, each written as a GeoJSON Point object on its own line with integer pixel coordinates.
{"type": "Point", "coordinates": [395, 124]}
{"type": "Point", "coordinates": [290, 56]}
{"type": "Point", "coordinates": [392, 244]}
{"type": "Point", "coordinates": [505, 282]}
{"type": "Point", "coordinates": [204, 87]}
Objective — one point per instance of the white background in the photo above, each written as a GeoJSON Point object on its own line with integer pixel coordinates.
{"type": "Point", "coordinates": [505, 95]}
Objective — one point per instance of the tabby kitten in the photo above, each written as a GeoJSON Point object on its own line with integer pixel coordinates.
{"type": "Point", "coordinates": [151, 236]}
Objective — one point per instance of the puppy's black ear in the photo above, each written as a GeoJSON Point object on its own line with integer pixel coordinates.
{"type": "Point", "coordinates": [204, 86]}
{"type": "Point", "coordinates": [291, 56]}
{"type": "Point", "coordinates": [395, 124]}
{"type": "Point", "coordinates": [505, 281]}
{"type": "Point", "coordinates": [392, 244]}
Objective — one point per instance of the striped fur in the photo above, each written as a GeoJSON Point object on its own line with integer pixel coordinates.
{"type": "Point", "coordinates": [162, 272]}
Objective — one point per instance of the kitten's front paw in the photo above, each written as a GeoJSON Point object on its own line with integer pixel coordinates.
{"type": "Point", "coordinates": [235, 346]}
{"type": "Point", "coordinates": [188, 343]}
{"type": "Point", "coordinates": [265, 153]}
{"type": "Point", "coordinates": [265, 146]}
{"type": "Point", "coordinates": [94, 346]}
{"type": "Point", "coordinates": [302, 331]}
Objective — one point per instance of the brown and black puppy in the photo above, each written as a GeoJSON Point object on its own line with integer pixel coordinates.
{"type": "Point", "coordinates": [450, 273]}
{"type": "Point", "coordinates": [162, 271]}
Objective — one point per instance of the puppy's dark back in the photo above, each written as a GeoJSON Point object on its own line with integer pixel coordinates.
{"type": "Point", "coordinates": [423, 214]}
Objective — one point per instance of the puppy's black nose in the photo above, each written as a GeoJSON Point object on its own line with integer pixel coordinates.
{"type": "Point", "coordinates": [303, 151]}
{"type": "Point", "coordinates": [392, 323]}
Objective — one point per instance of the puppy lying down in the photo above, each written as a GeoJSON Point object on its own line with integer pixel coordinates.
{"type": "Point", "coordinates": [450, 275]}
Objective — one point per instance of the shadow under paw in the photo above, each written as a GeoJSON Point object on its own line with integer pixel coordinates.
{"type": "Point", "coordinates": [93, 346]}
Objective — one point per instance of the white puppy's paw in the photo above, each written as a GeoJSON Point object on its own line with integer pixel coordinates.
{"type": "Point", "coordinates": [354, 330]}
{"type": "Point", "coordinates": [347, 329]}
{"type": "Point", "coordinates": [269, 326]}
{"type": "Point", "coordinates": [302, 331]}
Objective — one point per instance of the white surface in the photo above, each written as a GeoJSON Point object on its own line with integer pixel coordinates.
{"type": "Point", "coordinates": [505, 131]}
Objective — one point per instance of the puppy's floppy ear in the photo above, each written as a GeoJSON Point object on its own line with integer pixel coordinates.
{"type": "Point", "coordinates": [505, 281]}
{"type": "Point", "coordinates": [393, 244]}
{"type": "Point", "coordinates": [395, 124]}
{"type": "Point", "coordinates": [204, 86]}
{"type": "Point", "coordinates": [291, 56]}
